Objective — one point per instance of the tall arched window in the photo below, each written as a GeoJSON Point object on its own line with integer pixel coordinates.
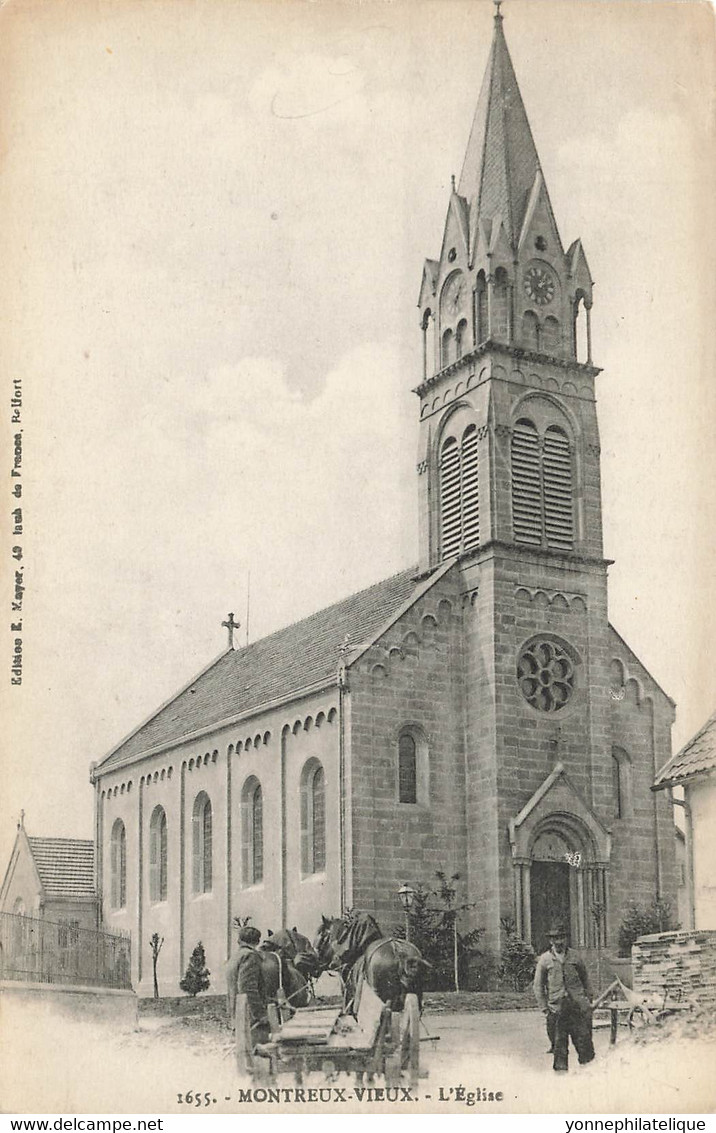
{"type": "Point", "coordinates": [542, 487]}
{"type": "Point", "coordinates": [412, 770]}
{"type": "Point", "coordinates": [313, 818]}
{"type": "Point", "coordinates": [202, 833]}
{"type": "Point", "coordinates": [407, 769]}
{"type": "Point", "coordinates": [252, 832]}
{"type": "Point", "coordinates": [459, 494]}
{"type": "Point", "coordinates": [158, 855]}
{"type": "Point", "coordinates": [621, 768]}
{"type": "Point", "coordinates": [118, 866]}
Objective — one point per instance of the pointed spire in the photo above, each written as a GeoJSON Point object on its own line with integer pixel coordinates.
{"type": "Point", "coordinates": [501, 161]}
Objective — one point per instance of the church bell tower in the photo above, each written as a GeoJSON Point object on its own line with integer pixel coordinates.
{"type": "Point", "coordinates": [509, 487]}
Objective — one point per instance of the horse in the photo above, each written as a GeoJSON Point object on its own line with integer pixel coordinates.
{"type": "Point", "coordinates": [288, 963]}
{"type": "Point", "coordinates": [289, 942]}
{"type": "Point", "coordinates": [358, 949]}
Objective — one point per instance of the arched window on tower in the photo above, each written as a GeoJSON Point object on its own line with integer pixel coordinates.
{"type": "Point", "coordinates": [581, 335]}
{"type": "Point", "coordinates": [158, 862]}
{"type": "Point", "coordinates": [530, 331]}
{"type": "Point", "coordinates": [448, 350]}
{"type": "Point", "coordinates": [551, 343]}
{"type": "Point", "coordinates": [313, 818]}
{"type": "Point", "coordinates": [501, 306]}
{"type": "Point", "coordinates": [461, 338]}
{"type": "Point", "coordinates": [428, 329]}
{"type": "Point", "coordinates": [118, 865]}
{"type": "Point", "coordinates": [252, 832]}
{"type": "Point", "coordinates": [459, 494]}
{"type": "Point", "coordinates": [542, 487]}
{"type": "Point", "coordinates": [481, 328]}
{"type": "Point", "coordinates": [202, 837]}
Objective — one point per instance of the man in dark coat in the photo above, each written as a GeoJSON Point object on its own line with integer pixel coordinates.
{"type": "Point", "coordinates": [244, 974]}
{"type": "Point", "coordinates": [561, 988]}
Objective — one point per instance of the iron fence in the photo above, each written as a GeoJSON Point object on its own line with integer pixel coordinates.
{"type": "Point", "coordinates": [56, 952]}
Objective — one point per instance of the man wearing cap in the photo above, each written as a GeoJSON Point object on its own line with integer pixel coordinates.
{"type": "Point", "coordinates": [561, 988]}
{"type": "Point", "coordinates": [244, 974]}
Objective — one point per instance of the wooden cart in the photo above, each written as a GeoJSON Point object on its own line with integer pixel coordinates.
{"type": "Point", "coordinates": [375, 1043]}
{"type": "Point", "coordinates": [639, 1010]}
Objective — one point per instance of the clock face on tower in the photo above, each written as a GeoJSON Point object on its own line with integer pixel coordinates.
{"type": "Point", "coordinates": [454, 295]}
{"type": "Point", "coordinates": [539, 285]}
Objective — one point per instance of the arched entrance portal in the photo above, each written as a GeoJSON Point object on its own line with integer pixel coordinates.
{"type": "Point", "coordinates": [560, 857]}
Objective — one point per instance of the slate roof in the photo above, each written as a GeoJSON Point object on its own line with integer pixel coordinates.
{"type": "Point", "coordinates": [697, 757]}
{"type": "Point", "coordinates": [65, 866]}
{"type": "Point", "coordinates": [297, 658]}
{"type": "Point", "coordinates": [501, 161]}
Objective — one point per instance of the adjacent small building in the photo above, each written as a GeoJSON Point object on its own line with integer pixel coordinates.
{"type": "Point", "coordinates": [51, 878]}
{"type": "Point", "coordinates": [49, 922]}
{"type": "Point", "coordinates": [694, 769]}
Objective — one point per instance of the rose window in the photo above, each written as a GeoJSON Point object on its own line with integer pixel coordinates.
{"type": "Point", "coordinates": [546, 675]}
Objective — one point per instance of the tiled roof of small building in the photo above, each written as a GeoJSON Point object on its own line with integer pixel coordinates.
{"type": "Point", "coordinates": [698, 756]}
{"type": "Point", "coordinates": [299, 657]}
{"type": "Point", "coordinates": [65, 866]}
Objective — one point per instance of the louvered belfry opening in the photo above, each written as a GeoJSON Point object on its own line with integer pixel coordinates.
{"type": "Point", "coordinates": [557, 478]}
{"type": "Point", "coordinates": [542, 487]}
{"type": "Point", "coordinates": [459, 495]}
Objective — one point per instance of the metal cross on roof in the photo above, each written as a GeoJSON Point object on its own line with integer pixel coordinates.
{"type": "Point", "coordinates": [231, 625]}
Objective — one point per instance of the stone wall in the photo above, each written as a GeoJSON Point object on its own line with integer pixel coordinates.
{"type": "Point", "coordinates": [677, 964]}
{"type": "Point", "coordinates": [21, 1003]}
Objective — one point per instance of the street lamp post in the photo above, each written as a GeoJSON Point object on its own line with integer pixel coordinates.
{"type": "Point", "coordinates": [406, 893]}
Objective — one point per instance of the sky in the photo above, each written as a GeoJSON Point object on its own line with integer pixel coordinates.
{"type": "Point", "coordinates": [214, 220]}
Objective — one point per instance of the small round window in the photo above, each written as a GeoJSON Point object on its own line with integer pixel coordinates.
{"type": "Point", "coordinates": [546, 673]}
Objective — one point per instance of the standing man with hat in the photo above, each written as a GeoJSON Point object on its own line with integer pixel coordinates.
{"type": "Point", "coordinates": [244, 974]}
{"type": "Point", "coordinates": [561, 988]}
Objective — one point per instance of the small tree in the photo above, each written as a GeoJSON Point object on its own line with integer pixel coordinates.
{"type": "Point", "coordinates": [156, 946]}
{"type": "Point", "coordinates": [434, 931]}
{"type": "Point", "coordinates": [642, 920]}
{"type": "Point", "coordinates": [196, 978]}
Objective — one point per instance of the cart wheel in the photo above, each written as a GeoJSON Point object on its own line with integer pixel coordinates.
{"type": "Point", "coordinates": [245, 1062]}
{"type": "Point", "coordinates": [410, 1039]}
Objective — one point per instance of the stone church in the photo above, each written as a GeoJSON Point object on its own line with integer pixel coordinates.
{"type": "Point", "coordinates": [475, 713]}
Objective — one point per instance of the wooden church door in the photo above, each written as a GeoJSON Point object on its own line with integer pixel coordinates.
{"type": "Point", "coordinates": [549, 899]}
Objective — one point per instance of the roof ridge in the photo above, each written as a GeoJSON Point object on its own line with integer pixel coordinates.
{"type": "Point", "coordinates": [255, 669]}
{"type": "Point", "coordinates": [58, 838]}
{"type": "Point", "coordinates": [325, 609]}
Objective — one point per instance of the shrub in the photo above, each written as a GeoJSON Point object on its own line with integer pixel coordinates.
{"type": "Point", "coordinates": [518, 961]}
{"type": "Point", "coordinates": [483, 971]}
{"type": "Point", "coordinates": [196, 977]}
{"type": "Point", "coordinates": [641, 920]}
